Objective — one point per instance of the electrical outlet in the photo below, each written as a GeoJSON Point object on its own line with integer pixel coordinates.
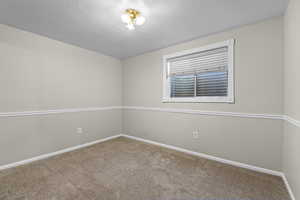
{"type": "Point", "coordinates": [195, 134]}
{"type": "Point", "coordinates": [79, 130]}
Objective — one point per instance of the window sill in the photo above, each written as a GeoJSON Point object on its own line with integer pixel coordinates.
{"type": "Point", "coordinates": [199, 100]}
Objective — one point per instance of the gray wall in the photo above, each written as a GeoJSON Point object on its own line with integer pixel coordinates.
{"type": "Point", "coordinates": [258, 89]}
{"type": "Point", "coordinates": [291, 147]}
{"type": "Point", "coordinates": [37, 73]}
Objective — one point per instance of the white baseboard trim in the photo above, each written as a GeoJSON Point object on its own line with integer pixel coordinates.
{"type": "Point", "coordinates": [202, 155]}
{"type": "Point", "coordinates": [225, 161]}
{"type": "Point", "coordinates": [288, 187]}
{"type": "Point", "coordinates": [44, 156]}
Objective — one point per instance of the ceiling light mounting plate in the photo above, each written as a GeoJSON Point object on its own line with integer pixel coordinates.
{"type": "Point", "coordinates": [132, 13]}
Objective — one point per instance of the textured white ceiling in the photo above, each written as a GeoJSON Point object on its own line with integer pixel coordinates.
{"type": "Point", "coordinates": [96, 24]}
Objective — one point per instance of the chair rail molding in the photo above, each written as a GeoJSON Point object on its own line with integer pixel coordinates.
{"type": "Point", "coordinates": [202, 112]}
{"type": "Point", "coordinates": [291, 120]}
{"type": "Point", "coordinates": [286, 118]}
{"type": "Point", "coordinates": [57, 111]}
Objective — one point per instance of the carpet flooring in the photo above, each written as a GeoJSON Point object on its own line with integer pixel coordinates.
{"type": "Point", "coordinates": [125, 169]}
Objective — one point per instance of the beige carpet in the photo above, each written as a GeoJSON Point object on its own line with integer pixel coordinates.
{"type": "Point", "coordinates": [129, 170]}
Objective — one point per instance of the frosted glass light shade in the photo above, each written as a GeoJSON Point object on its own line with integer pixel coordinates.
{"type": "Point", "coordinates": [140, 20]}
{"type": "Point", "coordinates": [125, 18]}
{"type": "Point", "coordinates": [130, 26]}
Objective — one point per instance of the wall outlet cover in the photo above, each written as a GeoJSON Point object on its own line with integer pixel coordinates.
{"type": "Point", "coordinates": [79, 130]}
{"type": "Point", "coordinates": [195, 134]}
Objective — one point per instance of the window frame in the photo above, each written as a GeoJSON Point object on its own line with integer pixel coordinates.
{"type": "Point", "coordinates": [205, 99]}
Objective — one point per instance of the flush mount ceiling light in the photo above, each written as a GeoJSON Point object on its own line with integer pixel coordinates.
{"type": "Point", "coordinates": [132, 17]}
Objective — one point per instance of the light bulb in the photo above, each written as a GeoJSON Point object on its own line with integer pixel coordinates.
{"type": "Point", "coordinates": [140, 20]}
{"type": "Point", "coordinates": [125, 18]}
{"type": "Point", "coordinates": [130, 26]}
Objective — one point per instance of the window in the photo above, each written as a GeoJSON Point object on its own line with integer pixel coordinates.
{"type": "Point", "coordinates": [200, 75]}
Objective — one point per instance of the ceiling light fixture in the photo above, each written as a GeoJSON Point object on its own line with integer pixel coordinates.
{"type": "Point", "coordinates": [132, 17]}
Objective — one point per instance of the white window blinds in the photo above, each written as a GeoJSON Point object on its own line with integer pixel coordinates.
{"type": "Point", "coordinates": [211, 60]}
{"type": "Point", "coordinates": [199, 74]}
